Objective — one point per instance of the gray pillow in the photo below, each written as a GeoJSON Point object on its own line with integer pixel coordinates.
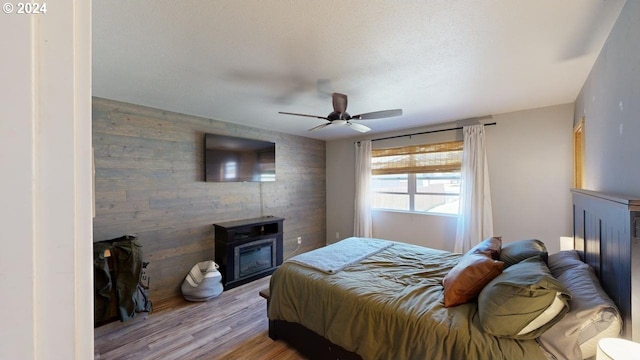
{"type": "Point", "coordinates": [563, 261]}
{"type": "Point", "coordinates": [516, 251]}
{"type": "Point", "coordinates": [490, 247]}
{"type": "Point", "coordinates": [519, 296]}
{"type": "Point", "coordinates": [593, 314]}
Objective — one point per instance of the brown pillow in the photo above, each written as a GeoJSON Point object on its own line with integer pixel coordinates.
{"type": "Point", "coordinates": [490, 247]}
{"type": "Point", "coordinates": [464, 281]}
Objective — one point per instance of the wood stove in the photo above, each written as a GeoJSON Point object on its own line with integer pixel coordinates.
{"type": "Point", "coordinates": [248, 249]}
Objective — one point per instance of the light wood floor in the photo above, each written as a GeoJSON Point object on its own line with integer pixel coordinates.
{"type": "Point", "coordinates": [232, 326]}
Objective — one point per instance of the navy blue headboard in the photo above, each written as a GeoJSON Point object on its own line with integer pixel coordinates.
{"type": "Point", "coordinates": [606, 232]}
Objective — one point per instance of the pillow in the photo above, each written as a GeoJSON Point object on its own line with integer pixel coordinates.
{"type": "Point", "coordinates": [562, 261]}
{"type": "Point", "coordinates": [520, 296]}
{"type": "Point", "coordinates": [549, 314]}
{"type": "Point", "coordinates": [490, 247]}
{"type": "Point", "coordinates": [593, 314]}
{"type": "Point", "coordinates": [514, 252]}
{"type": "Point", "coordinates": [464, 281]}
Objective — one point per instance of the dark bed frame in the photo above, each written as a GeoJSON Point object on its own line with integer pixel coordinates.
{"type": "Point", "coordinates": [606, 233]}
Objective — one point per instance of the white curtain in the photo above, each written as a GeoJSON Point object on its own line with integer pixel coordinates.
{"type": "Point", "coordinates": [362, 214]}
{"type": "Point", "coordinates": [475, 220]}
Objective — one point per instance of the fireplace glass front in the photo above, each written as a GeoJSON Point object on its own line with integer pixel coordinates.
{"type": "Point", "coordinates": [254, 257]}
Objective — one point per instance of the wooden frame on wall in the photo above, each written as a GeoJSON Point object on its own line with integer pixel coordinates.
{"type": "Point", "coordinates": [578, 155]}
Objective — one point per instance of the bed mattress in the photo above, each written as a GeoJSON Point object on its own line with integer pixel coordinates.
{"type": "Point", "coordinates": [389, 306]}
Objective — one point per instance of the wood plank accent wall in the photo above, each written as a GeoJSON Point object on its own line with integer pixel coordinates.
{"type": "Point", "coordinates": [149, 181]}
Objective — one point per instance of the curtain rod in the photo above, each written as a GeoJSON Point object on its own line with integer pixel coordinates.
{"type": "Point", "coordinates": [425, 132]}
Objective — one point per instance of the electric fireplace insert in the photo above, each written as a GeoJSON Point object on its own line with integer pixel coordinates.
{"type": "Point", "coordinates": [248, 249]}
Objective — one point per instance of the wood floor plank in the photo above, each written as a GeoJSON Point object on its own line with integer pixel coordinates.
{"type": "Point", "coordinates": [231, 326]}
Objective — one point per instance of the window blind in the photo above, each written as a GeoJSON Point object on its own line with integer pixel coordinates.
{"type": "Point", "coordinates": [415, 159]}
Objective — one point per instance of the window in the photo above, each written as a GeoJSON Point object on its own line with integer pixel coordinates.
{"type": "Point", "coordinates": [422, 178]}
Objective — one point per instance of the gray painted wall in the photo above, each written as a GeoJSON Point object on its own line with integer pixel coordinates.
{"type": "Point", "coordinates": [610, 104]}
{"type": "Point", "coordinates": [530, 167]}
{"type": "Point", "coordinates": [530, 156]}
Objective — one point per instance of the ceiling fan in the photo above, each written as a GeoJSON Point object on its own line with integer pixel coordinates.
{"type": "Point", "coordinates": [340, 116]}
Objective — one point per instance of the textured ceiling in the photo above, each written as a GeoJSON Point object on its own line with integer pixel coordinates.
{"type": "Point", "coordinates": [438, 60]}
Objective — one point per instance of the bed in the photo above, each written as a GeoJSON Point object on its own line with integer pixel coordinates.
{"type": "Point", "coordinates": [325, 311]}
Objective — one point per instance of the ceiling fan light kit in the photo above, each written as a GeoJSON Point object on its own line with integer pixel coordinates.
{"type": "Point", "coordinates": [340, 116]}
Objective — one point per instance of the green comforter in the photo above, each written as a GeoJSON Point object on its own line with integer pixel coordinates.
{"type": "Point", "coordinates": [389, 306]}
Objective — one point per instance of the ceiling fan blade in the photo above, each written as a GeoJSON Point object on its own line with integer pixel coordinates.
{"type": "Point", "coordinates": [378, 114]}
{"type": "Point", "coordinates": [313, 116]}
{"type": "Point", "coordinates": [358, 127]}
{"type": "Point", "coordinates": [339, 102]}
{"type": "Point", "coordinates": [320, 126]}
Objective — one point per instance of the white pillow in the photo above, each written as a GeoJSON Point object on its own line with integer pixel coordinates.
{"type": "Point", "coordinates": [552, 311]}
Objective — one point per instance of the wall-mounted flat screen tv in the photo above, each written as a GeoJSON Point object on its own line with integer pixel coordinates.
{"type": "Point", "coordinates": [235, 159]}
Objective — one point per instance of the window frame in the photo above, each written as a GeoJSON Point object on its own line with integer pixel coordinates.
{"type": "Point", "coordinates": [412, 191]}
{"type": "Point", "coordinates": [578, 155]}
{"type": "Point", "coordinates": [412, 182]}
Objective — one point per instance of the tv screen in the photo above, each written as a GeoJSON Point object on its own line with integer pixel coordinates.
{"type": "Point", "coordinates": [234, 159]}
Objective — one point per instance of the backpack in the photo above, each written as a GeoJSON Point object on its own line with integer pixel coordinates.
{"type": "Point", "coordinates": [143, 304]}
